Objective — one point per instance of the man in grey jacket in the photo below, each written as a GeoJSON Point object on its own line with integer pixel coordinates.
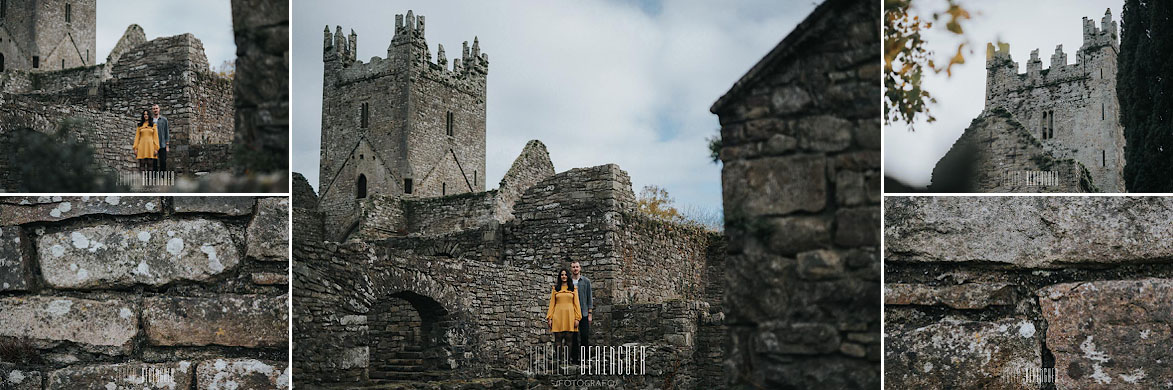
{"type": "Point", "coordinates": [164, 136]}
{"type": "Point", "coordinates": [583, 285]}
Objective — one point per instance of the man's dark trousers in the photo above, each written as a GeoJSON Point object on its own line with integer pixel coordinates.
{"type": "Point", "coordinates": [583, 339]}
{"type": "Point", "coordinates": [162, 164]}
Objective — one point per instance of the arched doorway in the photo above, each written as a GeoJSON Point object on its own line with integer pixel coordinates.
{"type": "Point", "coordinates": [412, 337]}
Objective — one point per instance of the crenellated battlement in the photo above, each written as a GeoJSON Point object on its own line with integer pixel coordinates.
{"type": "Point", "coordinates": [408, 50]}
{"type": "Point", "coordinates": [1094, 37]}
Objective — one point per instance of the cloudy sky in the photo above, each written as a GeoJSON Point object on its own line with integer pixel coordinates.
{"type": "Point", "coordinates": [1026, 25]}
{"type": "Point", "coordinates": [597, 81]}
{"type": "Point", "coordinates": [210, 21]}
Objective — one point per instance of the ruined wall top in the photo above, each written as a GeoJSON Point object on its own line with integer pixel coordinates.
{"type": "Point", "coordinates": [408, 48]}
{"type": "Point", "coordinates": [998, 56]}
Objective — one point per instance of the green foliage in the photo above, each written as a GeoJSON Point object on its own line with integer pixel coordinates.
{"type": "Point", "coordinates": [58, 162]}
{"type": "Point", "coordinates": [906, 58]}
{"type": "Point", "coordinates": [1144, 85]}
{"type": "Point", "coordinates": [715, 147]}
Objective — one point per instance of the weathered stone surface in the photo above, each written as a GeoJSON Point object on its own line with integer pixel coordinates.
{"type": "Point", "coordinates": [231, 320]}
{"type": "Point", "coordinates": [154, 253]}
{"type": "Point", "coordinates": [963, 296]}
{"type": "Point", "coordinates": [241, 374]}
{"type": "Point", "coordinates": [779, 185]}
{"type": "Point", "coordinates": [820, 264]}
{"type": "Point", "coordinates": [128, 376]}
{"type": "Point", "coordinates": [14, 259]}
{"type": "Point", "coordinates": [268, 233]}
{"type": "Point", "coordinates": [107, 326]}
{"type": "Point", "coordinates": [793, 234]}
{"type": "Point", "coordinates": [230, 205]}
{"type": "Point", "coordinates": [22, 210]}
{"type": "Point", "coordinates": [857, 226]}
{"type": "Point", "coordinates": [269, 278]}
{"type": "Point", "coordinates": [958, 354]}
{"type": "Point", "coordinates": [1028, 232]}
{"type": "Point", "coordinates": [12, 378]}
{"type": "Point", "coordinates": [1113, 334]}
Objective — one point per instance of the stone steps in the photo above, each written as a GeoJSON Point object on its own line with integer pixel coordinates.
{"type": "Point", "coordinates": [387, 376]}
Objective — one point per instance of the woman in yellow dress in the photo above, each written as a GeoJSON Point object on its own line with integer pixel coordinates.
{"type": "Point", "coordinates": [564, 313]}
{"type": "Point", "coordinates": [146, 142]}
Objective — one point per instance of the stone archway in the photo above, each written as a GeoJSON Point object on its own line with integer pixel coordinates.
{"type": "Point", "coordinates": [409, 337]}
{"type": "Point", "coordinates": [416, 328]}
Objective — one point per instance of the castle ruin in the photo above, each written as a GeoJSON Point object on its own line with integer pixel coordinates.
{"type": "Point", "coordinates": [408, 269]}
{"type": "Point", "coordinates": [1072, 109]}
{"type": "Point", "coordinates": [403, 125]}
{"type": "Point", "coordinates": [50, 73]}
{"type": "Point", "coordinates": [1069, 114]}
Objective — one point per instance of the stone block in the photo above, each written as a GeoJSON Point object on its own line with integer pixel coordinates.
{"type": "Point", "coordinates": [14, 259]}
{"type": "Point", "coordinates": [269, 278]}
{"type": "Point", "coordinates": [127, 376]}
{"type": "Point", "coordinates": [857, 227]}
{"type": "Point", "coordinates": [153, 253]}
{"type": "Point", "coordinates": [1110, 334]}
{"type": "Point", "coordinates": [22, 210]}
{"type": "Point", "coordinates": [268, 233]}
{"type": "Point", "coordinates": [103, 326]}
{"type": "Point", "coordinates": [12, 378]}
{"type": "Point", "coordinates": [230, 320]}
{"type": "Point", "coordinates": [960, 354]}
{"type": "Point", "coordinates": [1029, 232]}
{"type": "Point", "coordinates": [850, 189]}
{"type": "Point", "coordinates": [796, 339]}
{"type": "Point", "coordinates": [793, 234]}
{"type": "Point", "coordinates": [775, 185]}
{"type": "Point", "coordinates": [823, 133]}
{"type": "Point", "coordinates": [968, 296]}
{"type": "Point", "coordinates": [241, 374]}
{"type": "Point", "coordinates": [820, 264]}
{"type": "Point", "coordinates": [227, 205]}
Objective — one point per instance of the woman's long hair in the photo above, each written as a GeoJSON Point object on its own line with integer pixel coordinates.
{"type": "Point", "coordinates": [558, 281]}
{"type": "Point", "coordinates": [146, 119]}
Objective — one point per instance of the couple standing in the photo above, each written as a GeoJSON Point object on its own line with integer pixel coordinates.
{"type": "Point", "coordinates": [571, 296]}
{"type": "Point", "coordinates": [150, 140]}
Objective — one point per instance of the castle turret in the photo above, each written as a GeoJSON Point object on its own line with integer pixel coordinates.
{"type": "Point", "coordinates": [403, 125]}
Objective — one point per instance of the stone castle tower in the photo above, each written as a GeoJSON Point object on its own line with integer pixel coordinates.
{"type": "Point", "coordinates": [1071, 110]}
{"type": "Point", "coordinates": [404, 125]}
{"type": "Point", "coordinates": [47, 34]}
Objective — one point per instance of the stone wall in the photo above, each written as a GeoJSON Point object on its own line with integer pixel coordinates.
{"type": "Point", "coordinates": [110, 292]}
{"type": "Point", "coordinates": [997, 154]}
{"type": "Point", "coordinates": [1075, 104]}
{"type": "Point", "coordinates": [261, 86]}
{"type": "Point", "coordinates": [800, 139]}
{"type": "Point", "coordinates": [340, 287]}
{"type": "Point", "coordinates": [1011, 292]}
{"type": "Point", "coordinates": [111, 136]}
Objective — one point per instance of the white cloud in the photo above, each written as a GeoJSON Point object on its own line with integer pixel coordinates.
{"type": "Point", "coordinates": [209, 21]}
{"type": "Point", "coordinates": [1026, 25]}
{"type": "Point", "coordinates": [597, 81]}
